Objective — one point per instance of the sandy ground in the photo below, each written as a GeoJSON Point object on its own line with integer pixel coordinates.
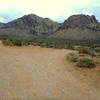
{"type": "Point", "coordinates": [34, 73]}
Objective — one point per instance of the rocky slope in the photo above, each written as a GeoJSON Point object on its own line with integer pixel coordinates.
{"type": "Point", "coordinates": [79, 21]}
{"type": "Point", "coordinates": [76, 27]}
{"type": "Point", "coordinates": [79, 27]}
{"type": "Point", "coordinates": [34, 22]}
{"type": "Point", "coordinates": [27, 27]}
{"type": "Point", "coordinates": [1, 24]}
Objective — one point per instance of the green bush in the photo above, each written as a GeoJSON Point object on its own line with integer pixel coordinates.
{"type": "Point", "coordinates": [72, 57]}
{"type": "Point", "coordinates": [86, 62]}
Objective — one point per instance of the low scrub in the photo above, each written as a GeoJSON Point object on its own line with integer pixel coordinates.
{"type": "Point", "coordinates": [73, 57]}
{"type": "Point", "coordinates": [9, 42]}
{"type": "Point", "coordinates": [87, 50]}
{"type": "Point", "coordinates": [49, 42]}
{"type": "Point", "coordinates": [76, 48]}
{"type": "Point", "coordinates": [86, 62]}
{"type": "Point", "coordinates": [84, 50]}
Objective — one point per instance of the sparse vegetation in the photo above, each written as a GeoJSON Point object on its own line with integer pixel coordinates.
{"type": "Point", "coordinates": [7, 42]}
{"type": "Point", "coordinates": [14, 42]}
{"type": "Point", "coordinates": [87, 50]}
{"type": "Point", "coordinates": [84, 50]}
{"type": "Point", "coordinates": [86, 62]}
{"type": "Point", "coordinates": [84, 59]}
{"type": "Point", "coordinates": [49, 42]}
{"type": "Point", "coordinates": [73, 57]}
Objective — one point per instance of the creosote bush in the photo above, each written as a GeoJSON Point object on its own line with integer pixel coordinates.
{"type": "Point", "coordinates": [86, 62]}
{"type": "Point", "coordinates": [73, 57]}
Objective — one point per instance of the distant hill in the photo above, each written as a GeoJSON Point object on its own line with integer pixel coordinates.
{"type": "Point", "coordinates": [80, 21]}
{"type": "Point", "coordinates": [1, 24]}
{"type": "Point", "coordinates": [27, 27]}
{"type": "Point", "coordinates": [34, 22]}
{"type": "Point", "coordinates": [76, 27]}
{"type": "Point", "coordinates": [79, 27]}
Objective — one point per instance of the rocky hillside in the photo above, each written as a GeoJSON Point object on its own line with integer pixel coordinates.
{"type": "Point", "coordinates": [1, 24]}
{"type": "Point", "coordinates": [34, 22]}
{"type": "Point", "coordinates": [27, 27]}
{"type": "Point", "coordinates": [79, 21]}
{"type": "Point", "coordinates": [79, 27]}
{"type": "Point", "coordinates": [76, 27]}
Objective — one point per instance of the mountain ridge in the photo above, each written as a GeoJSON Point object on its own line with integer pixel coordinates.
{"type": "Point", "coordinates": [34, 22]}
{"type": "Point", "coordinates": [76, 27]}
{"type": "Point", "coordinates": [79, 27]}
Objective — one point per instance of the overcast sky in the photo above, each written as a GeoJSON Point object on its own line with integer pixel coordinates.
{"type": "Point", "coordinates": [57, 10]}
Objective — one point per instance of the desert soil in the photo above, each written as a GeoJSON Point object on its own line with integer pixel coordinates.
{"type": "Point", "coordinates": [35, 73]}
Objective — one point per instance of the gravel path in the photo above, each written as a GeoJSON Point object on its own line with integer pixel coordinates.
{"type": "Point", "coordinates": [34, 73]}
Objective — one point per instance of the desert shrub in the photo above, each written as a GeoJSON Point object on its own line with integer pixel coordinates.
{"type": "Point", "coordinates": [92, 52]}
{"type": "Point", "coordinates": [14, 42]}
{"type": "Point", "coordinates": [86, 62]}
{"type": "Point", "coordinates": [17, 43]}
{"type": "Point", "coordinates": [50, 42]}
{"type": "Point", "coordinates": [87, 50]}
{"type": "Point", "coordinates": [84, 50]}
{"type": "Point", "coordinates": [76, 48]}
{"type": "Point", "coordinates": [7, 42]}
{"type": "Point", "coordinates": [73, 57]}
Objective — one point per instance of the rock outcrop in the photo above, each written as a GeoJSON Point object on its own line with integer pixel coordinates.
{"type": "Point", "coordinates": [79, 27]}
{"type": "Point", "coordinates": [80, 21]}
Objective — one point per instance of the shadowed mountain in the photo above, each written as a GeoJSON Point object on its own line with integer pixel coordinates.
{"type": "Point", "coordinates": [27, 27]}
{"type": "Point", "coordinates": [34, 22]}
{"type": "Point", "coordinates": [1, 25]}
{"type": "Point", "coordinates": [76, 27]}
{"type": "Point", "coordinates": [79, 27]}
{"type": "Point", "coordinates": [80, 21]}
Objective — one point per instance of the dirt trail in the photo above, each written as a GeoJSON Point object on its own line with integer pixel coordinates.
{"type": "Point", "coordinates": [34, 73]}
